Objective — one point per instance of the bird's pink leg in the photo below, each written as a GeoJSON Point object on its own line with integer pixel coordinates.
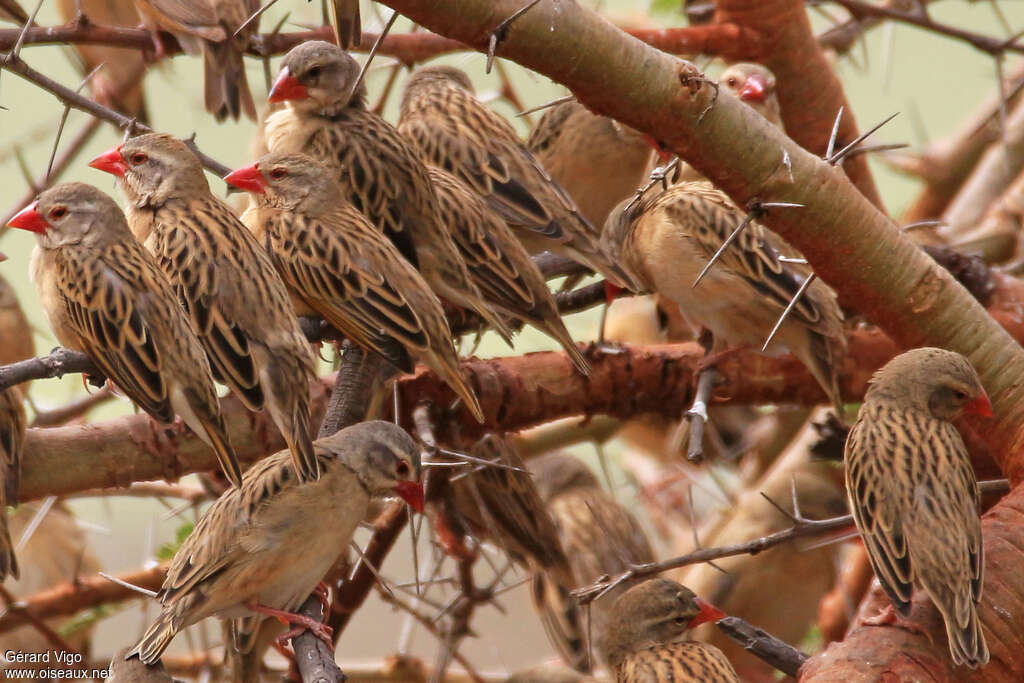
{"type": "Point", "coordinates": [302, 622]}
{"type": "Point", "coordinates": [323, 593]}
{"type": "Point", "coordinates": [890, 617]}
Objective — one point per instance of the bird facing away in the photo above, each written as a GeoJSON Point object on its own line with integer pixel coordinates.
{"type": "Point", "coordinates": [666, 239]}
{"type": "Point", "coordinates": [599, 161]}
{"type": "Point", "coordinates": [337, 265]}
{"type": "Point", "coordinates": [913, 492]}
{"type": "Point", "coordinates": [644, 639]}
{"type": "Point", "coordinates": [12, 436]}
{"type": "Point", "coordinates": [503, 505]}
{"type": "Point", "coordinates": [380, 173]}
{"type": "Point", "coordinates": [207, 27]}
{"type": "Point", "coordinates": [104, 296]}
{"type": "Point", "coordinates": [261, 549]}
{"type": "Point", "coordinates": [455, 131]}
{"type": "Point", "coordinates": [225, 281]}
{"type": "Point", "coordinates": [498, 263]}
{"type": "Point", "coordinates": [599, 536]}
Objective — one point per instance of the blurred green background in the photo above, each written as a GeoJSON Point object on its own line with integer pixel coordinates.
{"type": "Point", "coordinates": [935, 83]}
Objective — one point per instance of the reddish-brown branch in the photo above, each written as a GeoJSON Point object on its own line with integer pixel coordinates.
{"type": "Point", "coordinates": [85, 592]}
{"type": "Point", "coordinates": [873, 653]}
{"type": "Point", "coordinates": [810, 94]}
{"type": "Point", "coordinates": [728, 41]}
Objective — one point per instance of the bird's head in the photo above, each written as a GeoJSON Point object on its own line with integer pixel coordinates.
{"type": "Point", "coordinates": [317, 77]}
{"type": "Point", "coordinates": [293, 182]}
{"type": "Point", "coordinates": [755, 85]}
{"type": "Point", "coordinates": [942, 383]}
{"type": "Point", "coordinates": [153, 168]}
{"type": "Point", "coordinates": [72, 213]}
{"type": "Point", "coordinates": [558, 472]}
{"type": "Point", "coordinates": [384, 458]}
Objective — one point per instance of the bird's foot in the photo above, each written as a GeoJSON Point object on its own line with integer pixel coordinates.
{"type": "Point", "coordinates": [713, 359]}
{"type": "Point", "coordinates": [321, 591]}
{"type": "Point", "coordinates": [300, 622]}
{"type": "Point", "coordinates": [890, 617]}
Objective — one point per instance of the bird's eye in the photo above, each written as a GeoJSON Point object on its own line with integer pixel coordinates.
{"type": "Point", "coordinates": [731, 82]}
{"type": "Point", "coordinates": [681, 621]}
{"type": "Point", "coordinates": [960, 395]}
{"type": "Point", "coordinates": [58, 212]}
{"type": "Point", "coordinates": [402, 469]}
{"type": "Point", "coordinates": [139, 158]}
{"type": "Point", "coordinates": [278, 173]}
{"type": "Point", "coordinates": [314, 72]}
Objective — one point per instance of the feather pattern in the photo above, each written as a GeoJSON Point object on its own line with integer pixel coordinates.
{"type": "Point", "coordinates": [12, 436]}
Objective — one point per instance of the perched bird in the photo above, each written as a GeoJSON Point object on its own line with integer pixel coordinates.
{"type": "Point", "coordinates": [755, 85]}
{"type": "Point", "coordinates": [666, 239]}
{"type": "Point", "coordinates": [600, 537]}
{"type": "Point", "coordinates": [118, 83]}
{"type": "Point", "coordinates": [337, 265]}
{"type": "Point", "coordinates": [913, 492]}
{"type": "Point", "coordinates": [380, 173]}
{"type": "Point", "coordinates": [261, 549]}
{"type": "Point", "coordinates": [104, 295]}
{"type": "Point", "coordinates": [502, 504]}
{"type": "Point", "coordinates": [455, 131]}
{"type": "Point", "coordinates": [506, 275]}
{"type": "Point", "coordinates": [208, 27]}
{"type": "Point", "coordinates": [225, 280]}
{"type": "Point", "coordinates": [599, 161]}
{"type": "Point", "coordinates": [12, 434]}
{"type": "Point", "coordinates": [644, 638]}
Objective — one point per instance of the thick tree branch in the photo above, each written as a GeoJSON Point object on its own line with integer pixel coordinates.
{"type": "Point", "coordinates": [848, 241]}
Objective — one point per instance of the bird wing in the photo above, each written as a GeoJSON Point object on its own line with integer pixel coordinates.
{"type": "Point", "coordinates": [109, 302]}
{"type": "Point", "coordinates": [12, 434]}
{"type": "Point", "coordinates": [343, 268]}
{"type": "Point", "coordinates": [198, 17]}
{"type": "Point", "coordinates": [382, 175]}
{"type": "Point", "coordinates": [711, 217]}
{"type": "Point", "coordinates": [875, 489]}
{"type": "Point", "coordinates": [204, 252]}
{"type": "Point", "coordinates": [545, 134]}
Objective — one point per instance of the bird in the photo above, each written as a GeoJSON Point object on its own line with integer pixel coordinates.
{"type": "Point", "coordinates": [600, 537]}
{"type": "Point", "coordinates": [105, 296]}
{"type": "Point", "coordinates": [15, 329]}
{"type": "Point", "coordinates": [500, 503]}
{"type": "Point", "coordinates": [599, 161]}
{"type": "Point", "coordinates": [754, 84]}
{"type": "Point", "coordinates": [118, 83]}
{"type": "Point", "coordinates": [225, 281]}
{"type": "Point", "coordinates": [347, 26]}
{"type": "Point", "coordinates": [380, 172]}
{"type": "Point", "coordinates": [455, 131]}
{"type": "Point", "coordinates": [337, 265]}
{"type": "Point", "coordinates": [498, 263]}
{"type": "Point", "coordinates": [12, 436]}
{"type": "Point", "coordinates": [210, 28]}
{"type": "Point", "coordinates": [644, 640]}
{"type": "Point", "coordinates": [913, 491]}
{"type": "Point", "coordinates": [261, 548]}
{"type": "Point", "coordinates": [667, 237]}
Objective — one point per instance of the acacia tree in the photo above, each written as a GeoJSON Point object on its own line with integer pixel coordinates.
{"type": "Point", "coordinates": [843, 229]}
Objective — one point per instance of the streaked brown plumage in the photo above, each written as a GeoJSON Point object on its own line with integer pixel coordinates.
{"type": "Point", "coordinates": [104, 295]}
{"type": "Point", "coordinates": [644, 638]}
{"type": "Point", "coordinates": [913, 491]}
{"type": "Point", "coordinates": [503, 505]}
{"type": "Point", "coordinates": [207, 27]}
{"type": "Point", "coordinates": [456, 132]}
{"type": "Point", "coordinates": [118, 84]}
{"type": "Point", "coordinates": [380, 172]}
{"type": "Point", "coordinates": [347, 27]}
{"type": "Point", "coordinates": [599, 537]}
{"type": "Point", "coordinates": [506, 275]}
{"type": "Point", "coordinates": [599, 161]}
{"type": "Point", "coordinates": [12, 435]}
{"type": "Point", "coordinates": [337, 265]}
{"type": "Point", "coordinates": [244, 550]}
{"type": "Point", "coordinates": [666, 239]}
{"type": "Point", "coordinates": [225, 280]}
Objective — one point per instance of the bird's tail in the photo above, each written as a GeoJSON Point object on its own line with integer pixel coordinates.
{"type": "Point", "coordinates": [288, 403]}
{"type": "Point", "coordinates": [8, 562]}
{"type": "Point", "coordinates": [555, 327]}
{"type": "Point", "coordinates": [208, 424]}
{"type": "Point", "coordinates": [156, 639]}
{"type": "Point", "coordinates": [448, 369]}
{"type": "Point", "coordinates": [226, 86]}
{"type": "Point", "coordinates": [561, 617]}
{"type": "Point", "coordinates": [347, 27]}
{"type": "Point", "coordinates": [967, 643]}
